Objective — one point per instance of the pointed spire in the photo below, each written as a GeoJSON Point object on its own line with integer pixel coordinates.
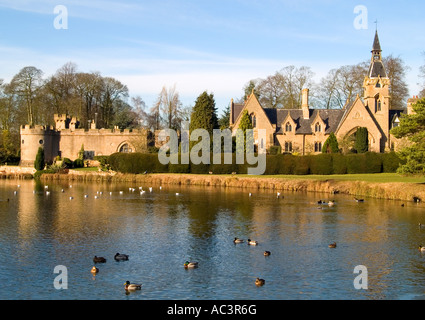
{"type": "Point", "coordinates": [376, 43]}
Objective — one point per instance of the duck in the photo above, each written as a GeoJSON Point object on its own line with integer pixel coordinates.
{"type": "Point", "coordinates": [94, 270]}
{"type": "Point", "coordinates": [188, 264]}
{"type": "Point", "coordinates": [267, 253]}
{"type": "Point", "coordinates": [421, 249]}
{"type": "Point", "coordinates": [237, 240]}
{"type": "Point", "coordinates": [359, 200]}
{"type": "Point", "coordinates": [260, 282]}
{"type": "Point", "coordinates": [97, 259]}
{"type": "Point", "coordinates": [332, 245]}
{"type": "Point", "coordinates": [132, 286]}
{"type": "Point", "coordinates": [331, 203]}
{"type": "Point", "coordinates": [120, 257]}
{"type": "Point", "coordinates": [252, 242]}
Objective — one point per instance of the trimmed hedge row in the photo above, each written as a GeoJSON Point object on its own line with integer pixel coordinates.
{"type": "Point", "coordinates": [323, 164]}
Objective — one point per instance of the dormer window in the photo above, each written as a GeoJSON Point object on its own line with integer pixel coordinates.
{"type": "Point", "coordinates": [288, 127]}
{"type": "Point", "coordinates": [378, 84]}
{"type": "Point", "coordinates": [318, 127]}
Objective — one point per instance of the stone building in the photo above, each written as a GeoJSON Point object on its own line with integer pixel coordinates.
{"type": "Point", "coordinates": [66, 140]}
{"type": "Point", "coordinates": [305, 130]}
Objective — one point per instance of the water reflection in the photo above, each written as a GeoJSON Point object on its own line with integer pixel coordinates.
{"type": "Point", "coordinates": [160, 231]}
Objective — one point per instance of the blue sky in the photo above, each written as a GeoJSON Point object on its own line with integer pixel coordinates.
{"type": "Point", "coordinates": [216, 46]}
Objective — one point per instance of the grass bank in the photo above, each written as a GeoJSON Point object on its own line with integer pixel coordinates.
{"type": "Point", "coordinates": [382, 186]}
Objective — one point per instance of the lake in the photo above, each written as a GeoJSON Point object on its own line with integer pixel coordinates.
{"type": "Point", "coordinates": [160, 230]}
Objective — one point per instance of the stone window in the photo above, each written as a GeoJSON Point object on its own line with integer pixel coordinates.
{"type": "Point", "coordinates": [41, 142]}
{"type": "Point", "coordinates": [288, 127]}
{"type": "Point", "coordinates": [288, 146]}
{"type": "Point", "coordinates": [318, 147]}
{"type": "Point", "coordinates": [318, 127]}
{"type": "Point", "coordinates": [254, 121]}
{"type": "Point", "coordinates": [378, 104]}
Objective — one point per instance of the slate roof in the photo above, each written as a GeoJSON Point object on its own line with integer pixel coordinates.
{"type": "Point", "coordinates": [377, 69]}
{"type": "Point", "coordinates": [331, 118]}
{"type": "Point", "coordinates": [237, 109]}
{"type": "Point", "coordinates": [376, 43]}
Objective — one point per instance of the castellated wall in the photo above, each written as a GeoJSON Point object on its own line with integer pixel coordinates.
{"type": "Point", "coordinates": [67, 143]}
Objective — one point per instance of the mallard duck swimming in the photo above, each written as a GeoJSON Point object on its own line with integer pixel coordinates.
{"type": "Point", "coordinates": [267, 253]}
{"type": "Point", "coordinates": [132, 286]}
{"type": "Point", "coordinates": [237, 240]}
{"type": "Point", "coordinates": [332, 245]}
{"type": "Point", "coordinates": [94, 270]}
{"type": "Point", "coordinates": [260, 282]}
{"type": "Point", "coordinates": [120, 257]}
{"type": "Point", "coordinates": [359, 200]}
{"type": "Point", "coordinates": [188, 264]}
{"type": "Point", "coordinates": [252, 242]}
{"type": "Point", "coordinates": [331, 203]}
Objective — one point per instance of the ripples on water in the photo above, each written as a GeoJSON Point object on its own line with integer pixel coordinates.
{"type": "Point", "coordinates": [160, 231]}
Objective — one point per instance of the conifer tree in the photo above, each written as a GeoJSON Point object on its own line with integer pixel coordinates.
{"type": "Point", "coordinates": [362, 140]}
{"type": "Point", "coordinates": [39, 160]}
{"type": "Point", "coordinates": [331, 144]}
{"type": "Point", "coordinates": [412, 127]}
{"type": "Point", "coordinates": [204, 114]}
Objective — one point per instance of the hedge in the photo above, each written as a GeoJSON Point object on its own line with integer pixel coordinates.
{"type": "Point", "coordinates": [283, 164]}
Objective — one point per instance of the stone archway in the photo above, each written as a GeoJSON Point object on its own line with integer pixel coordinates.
{"type": "Point", "coordinates": [350, 138]}
{"type": "Point", "coordinates": [125, 147]}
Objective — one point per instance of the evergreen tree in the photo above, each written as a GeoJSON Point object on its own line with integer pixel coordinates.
{"type": "Point", "coordinates": [39, 160]}
{"type": "Point", "coordinates": [204, 114]}
{"type": "Point", "coordinates": [331, 144]}
{"type": "Point", "coordinates": [224, 120]}
{"type": "Point", "coordinates": [412, 127]}
{"type": "Point", "coordinates": [245, 124]}
{"type": "Point", "coordinates": [362, 140]}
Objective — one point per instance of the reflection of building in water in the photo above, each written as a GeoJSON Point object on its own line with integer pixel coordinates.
{"type": "Point", "coordinates": [66, 140]}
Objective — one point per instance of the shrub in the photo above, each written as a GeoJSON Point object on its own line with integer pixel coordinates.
{"type": "Point", "coordinates": [373, 163]}
{"type": "Point", "coordinates": [321, 164]}
{"type": "Point", "coordinates": [356, 163]}
{"type": "Point", "coordinates": [339, 164]}
{"type": "Point", "coordinates": [39, 163]}
{"type": "Point", "coordinates": [78, 163]}
{"type": "Point", "coordinates": [391, 162]}
{"type": "Point", "coordinates": [275, 150]}
{"type": "Point", "coordinates": [302, 165]}
{"type": "Point", "coordinates": [67, 163]}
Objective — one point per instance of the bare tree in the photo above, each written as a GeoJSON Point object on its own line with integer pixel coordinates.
{"type": "Point", "coordinates": [26, 85]}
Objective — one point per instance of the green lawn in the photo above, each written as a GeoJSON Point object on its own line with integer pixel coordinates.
{"type": "Point", "coordinates": [379, 177]}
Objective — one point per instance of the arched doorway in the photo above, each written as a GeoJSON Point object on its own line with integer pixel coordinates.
{"type": "Point", "coordinates": [125, 147]}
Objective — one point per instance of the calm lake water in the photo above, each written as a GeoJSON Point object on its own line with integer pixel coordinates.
{"type": "Point", "coordinates": [161, 230]}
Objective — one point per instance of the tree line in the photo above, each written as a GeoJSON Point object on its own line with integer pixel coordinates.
{"type": "Point", "coordinates": [283, 89]}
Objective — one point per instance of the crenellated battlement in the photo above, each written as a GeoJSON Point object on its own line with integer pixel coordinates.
{"type": "Point", "coordinates": [37, 129]}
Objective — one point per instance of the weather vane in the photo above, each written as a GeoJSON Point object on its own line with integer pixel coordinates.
{"type": "Point", "coordinates": [376, 22]}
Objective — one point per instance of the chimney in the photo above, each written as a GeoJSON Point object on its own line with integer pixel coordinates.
{"type": "Point", "coordinates": [304, 104]}
{"type": "Point", "coordinates": [231, 112]}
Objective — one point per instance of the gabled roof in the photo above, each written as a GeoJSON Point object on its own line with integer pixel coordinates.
{"type": "Point", "coordinates": [331, 118]}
